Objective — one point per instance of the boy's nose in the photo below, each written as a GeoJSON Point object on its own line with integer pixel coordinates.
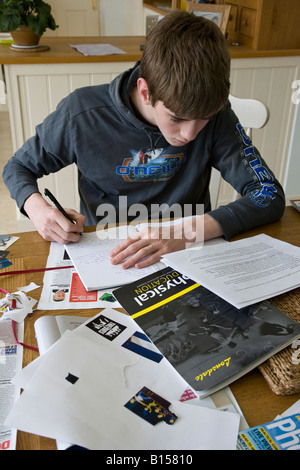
{"type": "Point", "coordinates": [190, 129]}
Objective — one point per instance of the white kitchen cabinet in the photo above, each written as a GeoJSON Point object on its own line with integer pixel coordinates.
{"type": "Point", "coordinates": [98, 17]}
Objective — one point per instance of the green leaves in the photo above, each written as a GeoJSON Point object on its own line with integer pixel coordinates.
{"type": "Point", "coordinates": [10, 15]}
{"type": "Point", "coordinates": [38, 23]}
{"type": "Point", "coordinates": [33, 13]}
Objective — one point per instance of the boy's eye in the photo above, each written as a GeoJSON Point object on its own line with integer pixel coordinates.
{"type": "Point", "coordinates": [174, 119]}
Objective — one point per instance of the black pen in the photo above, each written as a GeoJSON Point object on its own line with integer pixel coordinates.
{"type": "Point", "coordinates": [57, 204]}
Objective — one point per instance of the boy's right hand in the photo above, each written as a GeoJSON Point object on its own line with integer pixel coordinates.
{"type": "Point", "coordinates": [51, 224]}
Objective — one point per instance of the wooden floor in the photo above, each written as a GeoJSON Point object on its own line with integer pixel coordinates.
{"type": "Point", "coordinates": [8, 218]}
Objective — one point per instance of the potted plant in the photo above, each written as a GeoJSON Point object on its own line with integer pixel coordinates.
{"type": "Point", "coordinates": [26, 17]}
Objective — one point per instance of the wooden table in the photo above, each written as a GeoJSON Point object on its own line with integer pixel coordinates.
{"type": "Point", "coordinates": [258, 403]}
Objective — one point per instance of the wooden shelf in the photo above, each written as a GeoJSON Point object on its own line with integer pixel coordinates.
{"type": "Point", "coordinates": [264, 24]}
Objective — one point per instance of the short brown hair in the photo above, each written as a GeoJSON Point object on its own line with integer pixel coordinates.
{"type": "Point", "coordinates": [186, 64]}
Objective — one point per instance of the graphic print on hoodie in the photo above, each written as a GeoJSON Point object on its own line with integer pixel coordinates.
{"type": "Point", "coordinates": [150, 165]}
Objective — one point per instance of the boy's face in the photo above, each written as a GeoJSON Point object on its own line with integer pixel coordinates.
{"type": "Point", "coordinates": [176, 131]}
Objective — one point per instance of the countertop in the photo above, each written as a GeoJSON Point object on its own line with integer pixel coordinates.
{"type": "Point", "coordinates": [61, 52]}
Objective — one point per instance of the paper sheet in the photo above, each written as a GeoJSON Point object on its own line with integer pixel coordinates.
{"type": "Point", "coordinates": [16, 306]}
{"type": "Point", "coordinates": [49, 329]}
{"type": "Point", "coordinates": [90, 257]}
{"type": "Point", "coordinates": [91, 412]}
{"type": "Point", "coordinates": [7, 240]}
{"type": "Point", "coordinates": [29, 287]}
{"type": "Point", "coordinates": [242, 272]}
{"type": "Point", "coordinates": [97, 49]}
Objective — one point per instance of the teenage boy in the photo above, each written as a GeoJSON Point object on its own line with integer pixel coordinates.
{"type": "Point", "coordinates": [153, 134]}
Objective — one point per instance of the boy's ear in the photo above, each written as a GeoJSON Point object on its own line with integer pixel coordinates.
{"type": "Point", "coordinates": [143, 90]}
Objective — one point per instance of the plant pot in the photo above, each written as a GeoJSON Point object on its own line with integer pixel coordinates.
{"type": "Point", "coordinates": [24, 36]}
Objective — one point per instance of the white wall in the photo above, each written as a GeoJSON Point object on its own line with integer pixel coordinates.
{"type": "Point", "coordinates": [292, 177]}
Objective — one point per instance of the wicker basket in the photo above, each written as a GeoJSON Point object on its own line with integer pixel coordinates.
{"type": "Point", "coordinates": [282, 371]}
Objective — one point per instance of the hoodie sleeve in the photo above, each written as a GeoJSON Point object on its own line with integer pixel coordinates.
{"type": "Point", "coordinates": [49, 150]}
{"type": "Point", "coordinates": [241, 165]}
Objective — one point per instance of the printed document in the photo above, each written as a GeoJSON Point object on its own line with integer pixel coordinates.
{"type": "Point", "coordinates": [243, 272]}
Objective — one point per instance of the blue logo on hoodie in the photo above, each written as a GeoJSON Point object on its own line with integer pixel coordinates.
{"type": "Point", "coordinates": [264, 196]}
{"type": "Point", "coordinates": [150, 165]}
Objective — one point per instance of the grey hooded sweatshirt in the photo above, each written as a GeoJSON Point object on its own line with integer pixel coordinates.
{"type": "Point", "coordinates": [117, 154]}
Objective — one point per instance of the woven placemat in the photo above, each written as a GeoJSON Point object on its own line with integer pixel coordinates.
{"type": "Point", "coordinates": [282, 371]}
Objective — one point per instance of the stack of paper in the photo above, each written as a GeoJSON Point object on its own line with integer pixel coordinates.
{"type": "Point", "coordinates": [242, 272]}
{"type": "Point", "coordinates": [104, 385]}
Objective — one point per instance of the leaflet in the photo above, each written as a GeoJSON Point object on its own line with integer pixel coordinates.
{"type": "Point", "coordinates": [243, 272]}
{"type": "Point", "coordinates": [63, 289]}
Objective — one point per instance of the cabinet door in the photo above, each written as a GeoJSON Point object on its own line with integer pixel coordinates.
{"type": "Point", "coordinates": [121, 18]}
{"type": "Point", "coordinates": [75, 18]}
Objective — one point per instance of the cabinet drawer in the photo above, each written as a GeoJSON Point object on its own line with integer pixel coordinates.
{"type": "Point", "coordinates": [247, 21]}
{"type": "Point", "coordinates": [232, 21]}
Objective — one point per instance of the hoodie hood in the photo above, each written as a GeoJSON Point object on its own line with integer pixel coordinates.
{"type": "Point", "coordinates": [120, 90]}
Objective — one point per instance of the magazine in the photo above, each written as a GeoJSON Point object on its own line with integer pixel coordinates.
{"type": "Point", "coordinates": [281, 434]}
{"type": "Point", "coordinates": [210, 342]}
{"type": "Point", "coordinates": [11, 357]}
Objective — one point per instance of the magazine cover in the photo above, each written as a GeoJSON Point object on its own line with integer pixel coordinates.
{"type": "Point", "coordinates": [209, 342]}
{"type": "Point", "coordinates": [281, 434]}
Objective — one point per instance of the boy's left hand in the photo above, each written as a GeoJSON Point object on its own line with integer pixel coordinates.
{"type": "Point", "coordinates": [150, 244]}
{"type": "Point", "coordinates": [145, 248]}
